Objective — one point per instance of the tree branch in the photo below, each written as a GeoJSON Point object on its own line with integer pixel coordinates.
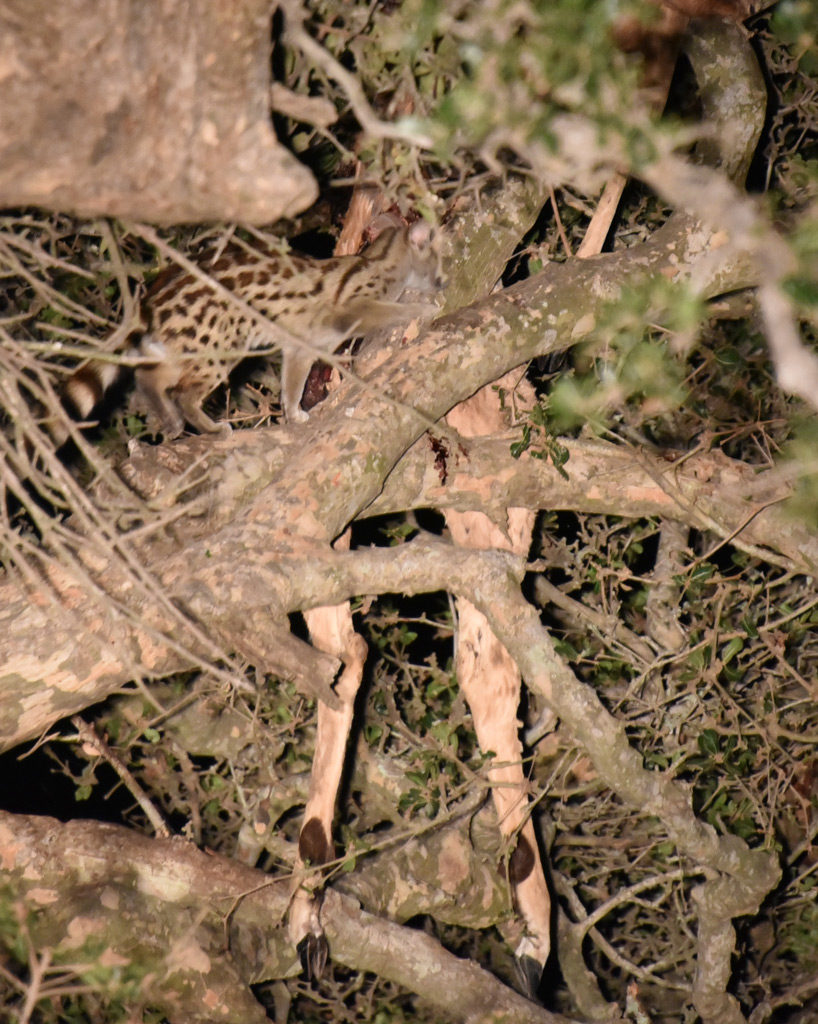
{"type": "Point", "coordinates": [278, 508]}
{"type": "Point", "coordinates": [159, 913]}
{"type": "Point", "coordinates": [118, 110]}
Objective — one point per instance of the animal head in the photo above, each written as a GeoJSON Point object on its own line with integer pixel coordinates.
{"type": "Point", "coordinates": [425, 271]}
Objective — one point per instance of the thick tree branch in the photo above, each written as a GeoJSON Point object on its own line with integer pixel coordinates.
{"type": "Point", "coordinates": [278, 507]}
{"type": "Point", "coordinates": [159, 913]}
{"type": "Point", "coordinates": [705, 489]}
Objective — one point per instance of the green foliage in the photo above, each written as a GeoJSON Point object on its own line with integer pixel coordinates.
{"type": "Point", "coordinates": [539, 440]}
{"type": "Point", "coordinates": [799, 934]}
{"type": "Point", "coordinates": [485, 81]}
{"type": "Point", "coordinates": [629, 364]}
{"type": "Point", "coordinates": [722, 763]}
{"type": "Point", "coordinates": [73, 987]}
{"type": "Point", "coordinates": [12, 931]}
{"type": "Point", "coordinates": [794, 25]}
{"type": "Point", "coordinates": [567, 57]}
{"type": "Point", "coordinates": [800, 452]}
{"type": "Point", "coordinates": [802, 285]}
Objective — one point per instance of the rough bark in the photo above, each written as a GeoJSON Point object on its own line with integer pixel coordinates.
{"type": "Point", "coordinates": [151, 919]}
{"type": "Point", "coordinates": [281, 509]}
{"type": "Point", "coordinates": [156, 110]}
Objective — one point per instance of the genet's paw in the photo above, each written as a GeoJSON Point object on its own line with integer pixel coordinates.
{"type": "Point", "coordinates": [297, 415]}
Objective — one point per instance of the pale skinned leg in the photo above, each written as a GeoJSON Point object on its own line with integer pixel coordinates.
{"type": "Point", "coordinates": [295, 368]}
{"type": "Point", "coordinates": [491, 684]}
{"type": "Point", "coordinates": [332, 631]}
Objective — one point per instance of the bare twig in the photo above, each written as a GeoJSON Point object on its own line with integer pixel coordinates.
{"type": "Point", "coordinates": [89, 737]}
{"type": "Point", "coordinates": [403, 131]}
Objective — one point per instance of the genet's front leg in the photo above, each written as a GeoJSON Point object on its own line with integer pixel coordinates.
{"type": "Point", "coordinates": [295, 368]}
{"type": "Point", "coordinates": [191, 406]}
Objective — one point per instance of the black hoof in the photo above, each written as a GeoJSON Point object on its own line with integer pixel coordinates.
{"type": "Point", "coordinates": [529, 975]}
{"type": "Point", "coordinates": [313, 953]}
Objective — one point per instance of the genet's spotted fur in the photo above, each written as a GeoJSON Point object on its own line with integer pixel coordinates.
{"type": "Point", "coordinates": [193, 336]}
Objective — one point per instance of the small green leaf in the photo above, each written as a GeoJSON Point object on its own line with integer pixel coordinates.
{"type": "Point", "coordinates": [518, 447]}
{"type": "Point", "coordinates": [803, 290]}
{"type": "Point", "coordinates": [709, 742]}
{"type": "Point", "coordinates": [731, 650]}
{"type": "Point", "coordinates": [373, 733]}
{"type": "Point", "coordinates": [749, 628]}
{"type": "Point", "coordinates": [566, 650]}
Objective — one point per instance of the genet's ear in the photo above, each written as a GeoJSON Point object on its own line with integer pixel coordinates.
{"type": "Point", "coordinates": [383, 222]}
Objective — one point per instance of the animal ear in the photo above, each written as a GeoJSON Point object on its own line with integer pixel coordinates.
{"type": "Point", "coordinates": [384, 221]}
